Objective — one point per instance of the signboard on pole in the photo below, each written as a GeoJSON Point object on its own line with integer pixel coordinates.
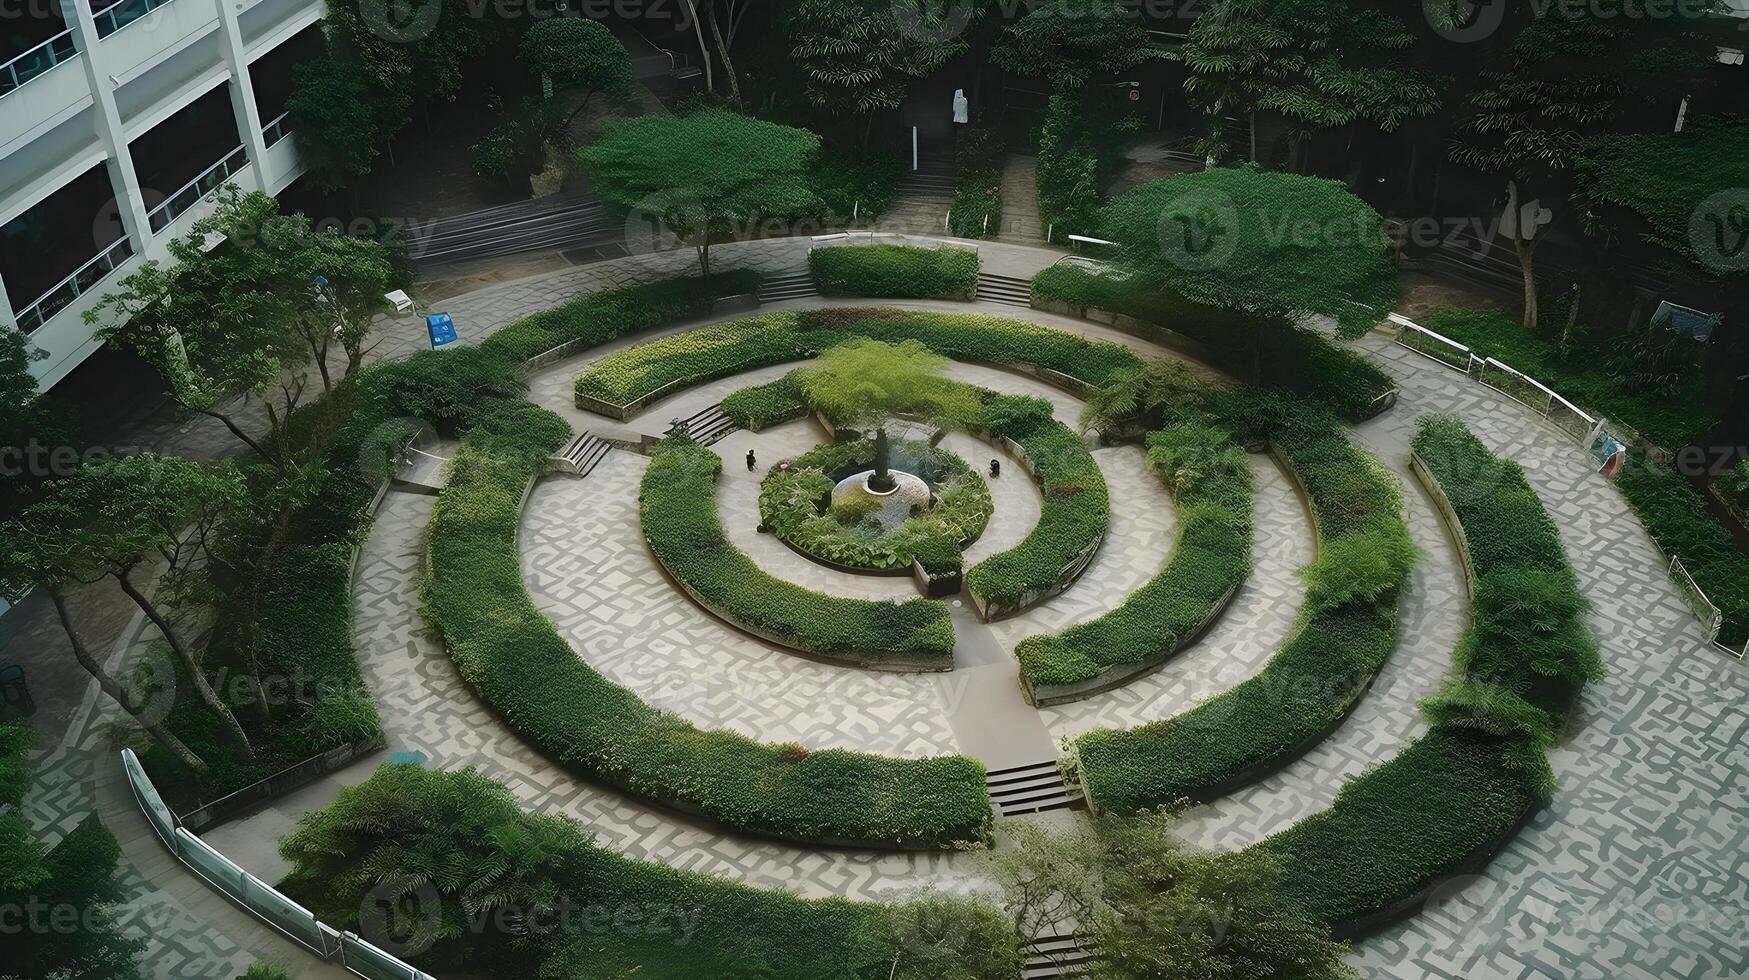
{"type": "Point", "coordinates": [441, 328]}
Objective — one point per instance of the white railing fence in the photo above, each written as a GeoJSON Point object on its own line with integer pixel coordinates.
{"type": "Point", "coordinates": [29, 64]}
{"type": "Point", "coordinates": [191, 193]}
{"type": "Point", "coordinates": [1712, 618]}
{"type": "Point", "coordinates": [63, 293]}
{"type": "Point", "coordinates": [345, 949]}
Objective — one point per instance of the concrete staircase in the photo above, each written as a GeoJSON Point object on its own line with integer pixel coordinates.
{"type": "Point", "coordinates": [561, 221]}
{"type": "Point", "coordinates": [1020, 219]}
{"type": "Point", "coordinates": [1055, 956]}
{"type": "Point", "coordinates": [788, 285]}
{"type": "Point", "coordinates": [580, 457]}
{"type": "Point", "coordinates": [1033, 788]}
{"type": "Point", "coordinates": [922, 197]}
{"type": "Point", "coordinates": [1007, 290]}
{"type": "Point", "coordinates": [708, 426]}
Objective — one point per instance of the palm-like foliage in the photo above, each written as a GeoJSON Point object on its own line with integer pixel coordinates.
{"type": "Point", "coordinates": [858, 56]}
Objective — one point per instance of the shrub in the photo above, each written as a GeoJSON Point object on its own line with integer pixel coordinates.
{"type": "Point", "coordinates": [895, 271]}
{"type": "Point", "coordinates": [1676, 516]}
{"type": "Point", "coordinates": [1589, 372]}
{"type": "Point", "coordinates": [759, 407]}
{"type": "Point", "coordinates": [848, 187]}
{"type": "Point", "coordinates": [1454, 794]}
{"type": "Point", "coordinates": [1345, 633]}
{"type": "Point", "coordinates": [1287, 356]}
{"type": "Point", "coordinates": [1211, 483]}
{"type": "Point", "coordinates": [596, 318]}
{"type": "Point", "coordinates": [725, 349]}
{"type": "Point", "coordinates": [521, 667]}
{"type": "Point", "coordinates": [1073, 518]}
{"type": "Point", "coordinates": [1735, 484]}
{"type": "Point", "coordinates": [395, 826]}
{"type": "Point", "coordinates": [677, 505]}
{"type": "Point", "coordinates": [976, 210]}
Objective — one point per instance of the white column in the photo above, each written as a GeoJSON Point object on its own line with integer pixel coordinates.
{"type": "Point", "coordinates": [122, 178]}
{"type": "Point", "coordinates": [8, 318]}
{"type": "Point", "coordinates": [243, 105]}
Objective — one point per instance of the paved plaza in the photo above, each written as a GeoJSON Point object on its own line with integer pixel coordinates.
{"type": "Point", "coordinates": [1640, 868]}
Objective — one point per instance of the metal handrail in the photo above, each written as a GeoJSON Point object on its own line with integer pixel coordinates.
{"type": "Point", "coordinates": [121, 13]}
{"type": "Point", "coordinates": [80, 282]}
{"type": "Point", "coordinates": [276, 130]}
{"type": "Point", "coordinates": [190, 193]}
{"type": "Point", "coordinates": [54, 51]}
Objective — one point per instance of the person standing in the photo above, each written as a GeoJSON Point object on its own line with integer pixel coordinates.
{"type": "Point", "coordinates": [751, 461]}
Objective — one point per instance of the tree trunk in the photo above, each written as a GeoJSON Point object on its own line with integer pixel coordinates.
{"type": "Point", "coordinates": [197, 677]}
{"type": "Point", "coordinates": [710, 84]}
{"type": "Point", "coordinates": [1525, 248]}
{"type": "Point", "coordinates": [111, 687]}
{"type": "Point", "coordinates": [728, 66]}
{"type": "Point", "coordinates": [1572, 312]}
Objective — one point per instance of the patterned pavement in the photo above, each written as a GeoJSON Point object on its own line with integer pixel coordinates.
{"type": "Point", "coordinates": [1638, 870]}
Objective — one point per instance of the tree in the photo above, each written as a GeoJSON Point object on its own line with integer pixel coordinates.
{"type": "Point", "coordinates": [713, 14]}
{"type": "Point", "coordinates": [271, 308]}
{"type": "Point", "coordinates": [1674, 201]}
{"type": "Point", "coordinates": [350, 100]}
{"type": "Point", "coordinates": [1321, 64]}
{"type": "Point", "coordinates": [1151, 908]}
{"type": "Point", "coordinates": [36, 888]}
{"type": "Point", "coordinates": [937, 936]}
{"type": "Point", "coordinates": [1070, 43]}
{"type": "Point", "coordinates": [868, 381]}
{"type": "Point", "coordinates": [1559, 81]}
{"type": "Point", "coordinates": [1269, 243]}
{"type": "Point", "coordinates": [858, 56]}
{"type": "Point", "coordinates": [113, 520]}
{"type": "Point", "coordinates": [578, 54]}
{"type": "Point", "coordinates": [705, 175]}
{"type": "Point", "coordinates": [1140, 394]}
{"type": "Point", "coordinates": [25, 415]}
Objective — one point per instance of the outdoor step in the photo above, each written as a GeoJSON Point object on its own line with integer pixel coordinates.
{"type": "Point", "coordinates": [582, 454]}
{"type": "Point", "coordinates": [1032, 788]}
{"type": "Point", "coordinates": [1004, 289]}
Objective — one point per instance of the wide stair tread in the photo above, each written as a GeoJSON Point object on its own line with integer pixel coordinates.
{"type": "Point", "coordinates": [1033, 788]}
{"type": "Point", "coordinates": [1056, 956]}
{"type": "Point", "coordinates": [790, 285]}
{"type": "Point", "coordinates": [1004, 289]}
{"type": "Point", "coordinates": [707, 426]}
{"type": "Point", "coordinates": [584, 453]}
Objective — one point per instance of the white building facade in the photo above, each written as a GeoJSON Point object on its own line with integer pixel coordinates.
{"type": "Point", "coordinates": [86, 98]}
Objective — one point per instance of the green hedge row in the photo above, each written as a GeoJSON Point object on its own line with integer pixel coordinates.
{"type": "Point", "coordinates": [606, 915]}
{"type": "Point", "coordinates": [757, 407]}
{"type": "Point", "coordinates": [549, 696]}
{"type": "Point", "coordinates": [1676, 515]}
{"type": "Point", "coordinates": [1290, 357]}
{"type": "Point", "coordinates": [976, 209]}
{"type": "Point", "coordinates": [1207, 475]}
{"type": "Point", "coordinates": [1455, 794]}
{"type": "Point", "coordinates": [725, 349]}
{"type": "Point", "coordinates": [1347, 629]}
{"type": "Point", "coordinates": [1073, 518]}
{"type": "Point", "coordinates": [895, 271]}
{"type": "Point", "coordinates": [677, 506]}
{"type": "Point", "coordinates": [596, 318]}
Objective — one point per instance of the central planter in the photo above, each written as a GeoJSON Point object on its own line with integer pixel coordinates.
{"type": "Point", "coordinates": [821, 505]}
{"type": "Point", "coordinates": [908, 495]}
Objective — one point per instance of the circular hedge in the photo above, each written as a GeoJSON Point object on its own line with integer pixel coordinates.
{"type": "Point", "coordinates": [793, 504]}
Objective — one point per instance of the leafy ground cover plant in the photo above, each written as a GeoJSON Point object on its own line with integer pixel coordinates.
{"type": "Point", "coordinates": [895, 271]}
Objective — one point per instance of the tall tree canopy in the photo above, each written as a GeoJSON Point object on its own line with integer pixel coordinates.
{"type": "Point", "coordinates": [1072, 42]}
{"type": "Point", "coordinates": [858, 56]}
{"type": "Point", "coordinates": [1557, 82]}
{"type": "Point", "coordinates": [578, 54]}
{"type": "Point", "coordinates": [706, 175]}
{"type": "Point", "coordinates": [1321, 63]}
{"type": "Point", "coordinates": [1249, 239]}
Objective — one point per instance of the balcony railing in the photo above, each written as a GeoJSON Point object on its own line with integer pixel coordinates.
{"type": "Point", "coordinates": [121, 13]}
{"type": "Point", "coordinates": [276, 130]}
{"type": "Point", "coordinates": [74, 286]}
{"type": "Point", "coordinates": [37, 60]}
{"type": "Point", "coordinates": [212, 179]}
